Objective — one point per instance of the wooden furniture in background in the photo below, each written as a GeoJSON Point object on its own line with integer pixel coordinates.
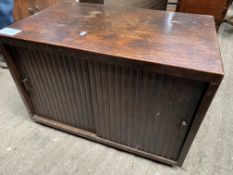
{"type": "Point", "coordinates": [152, 4]}
{"type": "Point", "coordinates": [216, 8]}
{"type": "Point", "coordinates": [136, 79]}
{"type": "Point", "coordinates": [21, 9]}
{"type": "Point", "coordinates": [25, 8]}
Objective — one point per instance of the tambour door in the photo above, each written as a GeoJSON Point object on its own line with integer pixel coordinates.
{"type": "Point", "coordinates": [143, 109]}
{"type": "Point", "coordinates": [58, 86]}
{"type": "Point", "coordinates": [122, 103]}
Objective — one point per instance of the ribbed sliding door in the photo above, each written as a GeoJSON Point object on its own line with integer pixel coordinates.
{"type": "Point", "coordinates": [138, 108]}
{"type": "Point", "coordinates": [144, 110]}
{"type": "Point", "coordinates": [60, 87]}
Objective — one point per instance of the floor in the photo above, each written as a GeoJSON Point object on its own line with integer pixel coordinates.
{"type": "Point", "coordinates": [27, 148]}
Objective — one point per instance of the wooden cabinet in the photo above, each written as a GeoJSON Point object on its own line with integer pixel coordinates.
{"type": "Point", "coordinates": [216, 8]}
{"type": "Point", "coordinates": [136, 79]}
{"type": "Point", "coordinates": [153, 4]}
{"type": "Point", "coordinates": [21, 9]}
{"type": "Point", "coordinates": [25, 8]}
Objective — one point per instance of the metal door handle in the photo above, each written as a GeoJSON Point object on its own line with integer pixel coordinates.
{"type": "Point", "coordinates": [26, 84]}
{"type": "Point", "coordinates": [184, 123]}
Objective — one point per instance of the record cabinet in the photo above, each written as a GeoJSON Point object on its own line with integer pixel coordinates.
{"type": "Point", "coordinates": [135, 79]}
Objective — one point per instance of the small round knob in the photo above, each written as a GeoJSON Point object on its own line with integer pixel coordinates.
{"type": "Point", "coordinates": [184, 123]}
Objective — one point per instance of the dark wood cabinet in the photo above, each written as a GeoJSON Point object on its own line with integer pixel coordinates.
{"type": "Point", "coordinates": [136, 79]}
{"type": "Point", "coordinates": [216, 8]}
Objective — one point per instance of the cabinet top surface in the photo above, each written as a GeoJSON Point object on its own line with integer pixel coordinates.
{"type": "Point", "coordinates": [166, 38]}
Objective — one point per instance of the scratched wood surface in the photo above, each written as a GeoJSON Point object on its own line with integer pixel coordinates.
{"type": "Point", "coordinates": [164, 38]}
{"type": "Point", "coordinates": [141, 83]}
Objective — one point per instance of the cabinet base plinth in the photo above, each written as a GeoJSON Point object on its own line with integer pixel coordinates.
{"type": "Point", "coordinates": [94, 137]}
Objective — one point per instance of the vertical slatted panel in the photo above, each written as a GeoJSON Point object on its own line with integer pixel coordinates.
{"type": "Point", "coordinates": [137, 108]}
{"type": "Point", "coordinates": [144, 110]}
{"type": "Point", "coordinates": [61, 87]}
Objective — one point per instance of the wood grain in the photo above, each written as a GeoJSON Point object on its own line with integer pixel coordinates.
{"type": "Point", "coordinates": [142, 84]}
{"type": "Point", "coordinates": [162, 38]}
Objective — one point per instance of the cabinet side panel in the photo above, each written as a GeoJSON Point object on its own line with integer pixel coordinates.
{"type": "Point", "coordinates": [6, 51]}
